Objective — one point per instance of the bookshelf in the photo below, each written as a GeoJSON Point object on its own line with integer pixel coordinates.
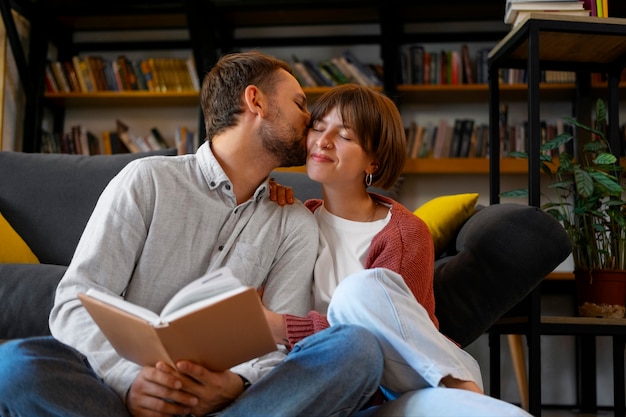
{"type": "Point", "coordinates": [584, 44]}
{"type": "Point", "coordinates": [209, 28]}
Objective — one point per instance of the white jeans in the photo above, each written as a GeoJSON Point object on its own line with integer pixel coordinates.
{"type": "Point", "coordinates": [416, 354]}
{"type": "Point", "coordinates": [444, 402]}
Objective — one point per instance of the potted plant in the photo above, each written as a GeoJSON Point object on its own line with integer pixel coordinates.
{"type": "Point", "coordinates": [589, 202]}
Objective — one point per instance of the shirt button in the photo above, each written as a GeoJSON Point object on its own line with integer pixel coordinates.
{"type": "Point", "coordinates": [212, 183]}
{"type": "Point", "coordinates": [227, 187]}
{"type": "Point", "coordinates": [221, 247]}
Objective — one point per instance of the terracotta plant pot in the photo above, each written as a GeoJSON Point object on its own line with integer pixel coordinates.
{"type": "Point", "coordinates": [601, 293]}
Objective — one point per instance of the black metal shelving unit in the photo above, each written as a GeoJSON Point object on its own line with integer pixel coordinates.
{"type": "Point", "coordinates": [585, 45]}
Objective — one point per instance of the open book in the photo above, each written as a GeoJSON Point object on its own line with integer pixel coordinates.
{"type": "Point", "coordinates": [214, 321]}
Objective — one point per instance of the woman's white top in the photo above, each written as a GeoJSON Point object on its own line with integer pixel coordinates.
{"type": "Point", "coordinates": [342, 251]}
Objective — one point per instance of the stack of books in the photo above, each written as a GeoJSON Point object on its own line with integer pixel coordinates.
{"type": "Point", "coordinates": [517, 10]}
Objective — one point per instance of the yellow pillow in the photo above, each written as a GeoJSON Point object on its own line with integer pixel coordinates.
{"type": "Point", "coordinates": [13, 249]}
{"type": "Point", "coordinates": [445, 215]}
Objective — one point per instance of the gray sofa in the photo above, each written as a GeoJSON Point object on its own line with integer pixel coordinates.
{"type": "Point", "coordinates": [500, 254]}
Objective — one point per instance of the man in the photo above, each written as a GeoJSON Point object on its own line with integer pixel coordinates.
{"type": "Point", "coordinates": [164, 221]}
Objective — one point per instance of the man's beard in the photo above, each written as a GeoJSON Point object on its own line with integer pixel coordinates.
{"type": "Point", "coordinates": [283, 141]}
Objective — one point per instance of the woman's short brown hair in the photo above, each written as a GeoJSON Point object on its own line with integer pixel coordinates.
{"type": "Point", "coordinates": [375, 120]}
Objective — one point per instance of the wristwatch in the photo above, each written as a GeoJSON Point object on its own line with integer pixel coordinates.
{"type": "Point", "coordinates": [246, 383]}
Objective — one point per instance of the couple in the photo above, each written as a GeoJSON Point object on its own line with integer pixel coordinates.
{"type": "Point", "coordinates": [164, 221]}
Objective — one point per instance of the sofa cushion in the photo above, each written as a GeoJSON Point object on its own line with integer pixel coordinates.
{"type": "Point", "coordinates": [444, 216]}
{"type": "Point", "coordinates": [27, 294]}
{"type": "Point", "coordinates": [13, 249]}
{"type": "Point", "coordinates": [504, 251]}
{"type": "Point", "coordinates": [48, 198]}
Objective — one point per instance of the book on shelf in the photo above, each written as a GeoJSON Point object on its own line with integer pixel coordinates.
{"type": "Point", "coordinates": [409, 133]}
{"type": "Point", "coordinates": [127, 138]}
{"type": "Point", "coordinates": [81, 73]}
{"type": "Point", "coordinates": [334, 72]}
{"type": "Point", "coordinates": [321, 79]}
{"type": "Point", "coordinates": [517, 11]}
{"type": "Point", "coordinates": [302, 74]}
{"type": "Point", "coordinates": [416, 59]}
{"type": "Point", "coordinates": [59, 75]}
{"type": "Point", "coordinates": [112, 144]}
{"type": "Point", "coordinates": [185, 140]}
{"type": "Point", "coordinates": [70, 73]}
{"type": "Point", "coordinates": [522, 15]}
{"type": "Point", "coordinates": [468, 72]}
{"type": "Point", "coordinates": [466, 138]}
{"type": "Point", "coordinates": [457, 137]}
{"type": "Point", "coordinates": [214, 321]}
{"type": "Point", "coordinates": [156, 133]}
{"type": "Point", "coordinates": [50, 80]}
{"type": "Point", "coordinates": [362, 68]}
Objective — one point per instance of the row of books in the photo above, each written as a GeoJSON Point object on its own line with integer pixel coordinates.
{"type": "Point", "coordinates": [466, 138]}
{"type": "Point", "coordinates": [520, 76]}
{"type": "Point", "coordinates": [81, 141]}
{"type": "Point", "coordinates": [346, 68]}
{"type": "Point", "coordinates": [93, 73]}
{"type": "Point", "coordinates": [421, 66]}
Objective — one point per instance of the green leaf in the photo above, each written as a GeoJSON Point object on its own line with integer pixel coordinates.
{"type": "Point", "coordinates": [605, 159]}
{"type": "Point", "coordinates": [520, 192]}
{"type": "Point", "coordinates": [583, 126]}
{"type": "Point", "coordinates": [584, 182]}
{"type": "Point", "coordinates": [556, 142]}
{"type": "Point", "coordinates": [518, 154]}
{"type": "Point", "coordinates": [607, 182]}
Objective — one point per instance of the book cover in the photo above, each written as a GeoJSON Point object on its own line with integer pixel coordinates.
{"type": "Point", "coordinates": [159, 138]}
{"type": "Point", "coordinates": [193, 73]}
{"type": "Point", "coordinates": [349, 70]}
{"type": "Point", "coordinates": [96, 75]}
{"type": "Point", "coordinates": [457, 137]}
{"type": "Point", "coordinates": [468, 73]}
{"type": "Point", "coordinates": [51, 83]}
{"type": "Point", "coordinates": [59, 74]}
{"type": "Point", "coordinates": [416, 54]}
{"type": "Point", "coordinates": [70, 73]}
{"type": "Point", "coordinates": [112, 83]}
{"type": "Point", "coordinates": [466, 138]}
{"type": "Point", "coordinates": [126, 138]}
{"type": "Point", "coordinates": [362, 68]}
{"type": "Point", "coordinates": [337, 75]}
{"type": "Point", "coordinates": [214, 321]}
{"type": "Point", "coordinates": [147, 74]}
{"type": "Point", "coordinates": [320, 78]}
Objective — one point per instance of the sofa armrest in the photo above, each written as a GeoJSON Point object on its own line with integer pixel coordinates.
{"type": "Point", "coordinates": [504, 252]}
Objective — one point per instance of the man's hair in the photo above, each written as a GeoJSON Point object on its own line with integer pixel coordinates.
{"type": "Point", "coordinates": [225, 83]}
{"type": "Point", "coordinates": [377, 123]}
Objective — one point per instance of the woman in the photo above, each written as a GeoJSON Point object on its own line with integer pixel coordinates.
{"type": "Point", "coordinates": [375, 259]}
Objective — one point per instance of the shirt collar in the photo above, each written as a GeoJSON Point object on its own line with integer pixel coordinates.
{"type": "Point", "coordinates": [216, 177]}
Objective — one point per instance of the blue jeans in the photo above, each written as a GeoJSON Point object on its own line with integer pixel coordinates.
{"type": "Point", "coordinates": [43, 377]}
{"type": "Point", "coordinates": [331, 373]}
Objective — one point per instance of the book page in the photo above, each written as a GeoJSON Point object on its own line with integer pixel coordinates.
{"type": "Point", "coordinates": [208, 285]}
{"type": "Point", "coordinates": [116, 301]}
{"type": "Point", "coordinates": [200, 304]}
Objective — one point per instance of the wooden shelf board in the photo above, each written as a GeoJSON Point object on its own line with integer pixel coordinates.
{"type": "Point", "coordinates": [601, 43]}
